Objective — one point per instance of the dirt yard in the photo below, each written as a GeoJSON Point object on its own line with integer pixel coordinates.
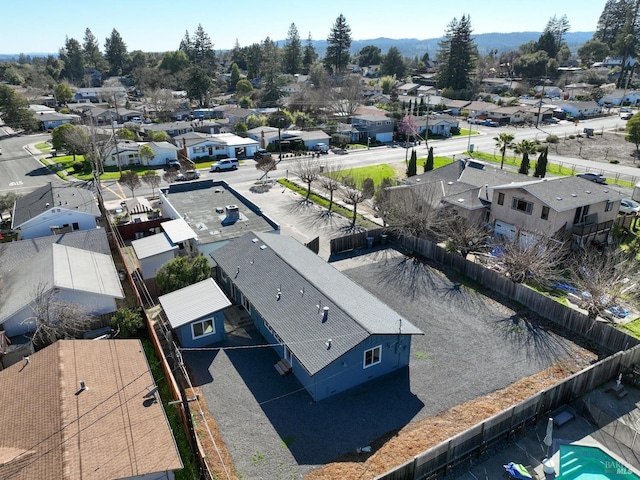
{"type": "Point", "coordinates": [606, 147]}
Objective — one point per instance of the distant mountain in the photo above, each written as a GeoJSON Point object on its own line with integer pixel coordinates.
{"type": "Point", "coordinates": [412, 47]}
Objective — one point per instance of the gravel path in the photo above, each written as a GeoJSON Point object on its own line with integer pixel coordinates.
{"type": "Point", "coordinates": [472, 345]}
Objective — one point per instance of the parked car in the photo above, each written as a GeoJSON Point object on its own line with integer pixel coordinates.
{"type": "Point", "coordinates": [593, 177]}
{"type": "Point", "coordinates": [321, 147]}
{"type": "Point", "coordinates": [172, 165]}
{"type": "Point", "coordinates": [629, 207]}
{"type": "Point", "coordinates": [262, 154]}
{"type": "Point", "coordinates": [626, 116]}
{"type": "Point", "coordinates": [188, 175]}
{"type": "Point", "coordinates": [224, 164]}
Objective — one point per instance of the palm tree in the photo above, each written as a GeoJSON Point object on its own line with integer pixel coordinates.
{"type": "Point", "coordinates": [525, 148]}
{"type": "Point", "coordinates": [504, 141]}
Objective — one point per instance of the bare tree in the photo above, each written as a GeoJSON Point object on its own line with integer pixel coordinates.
{"type": "Point", "coordinates": [346, 97]}
{"type": "Point", "coordinates": [352, 196]}
{"type": "Point", "coordinates": [329, 180]}
{"type": "Point", "coordinates": [56, 319]}
{"type": "Point", "coordinates": [308, 170]}
{"type": "Point", "coordinates": [603, 278]}
{"type": "Point", "coordinates": [169, 176]}
{"type": "Point", "coordinates": [462, 236]}
{"type": "Point", "coordinates": [411, 210]}
{"type": "Point", "coordinates": [131, 180]}
{"type": "Point", "coordinates": [266, 165]}
{"type": "Point", "coordinates": [6, 203]}
{"type": "Point", "coordinates": [152, 179]}
{"type": "Point", "coordinates": [533, 261]}
{"type": "Point", "coordinates": [161, 100]}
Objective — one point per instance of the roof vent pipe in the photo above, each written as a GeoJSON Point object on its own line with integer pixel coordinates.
{"type": "Point", "coordinates": [325, 314]}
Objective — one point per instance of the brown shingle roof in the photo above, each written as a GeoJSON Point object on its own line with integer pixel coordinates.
{"type": "Point", "coordinates": [113, 429]}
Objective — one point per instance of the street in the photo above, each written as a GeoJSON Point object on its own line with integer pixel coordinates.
{"type": "Point", "coordinates": [20, 171]}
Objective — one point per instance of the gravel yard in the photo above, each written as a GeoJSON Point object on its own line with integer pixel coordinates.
{"type": "Point", "coordinates": [473, 346]}
{"type": "Point", "coordinates": [605, 146]}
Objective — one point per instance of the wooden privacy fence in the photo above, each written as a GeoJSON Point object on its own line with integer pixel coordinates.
{"type": "Point", "coordinates": [436, 461]}
{"type": "Point", "coordinates": [357, 241]}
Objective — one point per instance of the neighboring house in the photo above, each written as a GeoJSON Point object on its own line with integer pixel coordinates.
{"type": "Point", "coordinates": [329, 332]}
{"type": "Point", "coordinates": [313, 137]}
{"type": "Point", "coordinates": [621, 97]}
{"type": "Point", "coordinates": [54, 209]}
{"type": "Point", "coordinates": [85, 409]}
{"type": "Point", "coordinates": [99, 94]}
{"type": "Point", "coordinates": [375, 127]}
{"type": "Point", "coordinates": [128, 153]}
{"type": "Point", "coordinates": [574, 90]}
{"type": "Point", "coordinates": [509, 115]}
{"type": "Point", "coordinates": [556, 206]}
{"type": "Point", "coordinates": [214, 211]}
{"type": "Point", "coordinates": [223, 145]}
{"type": "Point", "coordinates": [101, 116]}
{"type": "Point", "coordinates": [80, 277]}
{"type": "Point", "coordinates": [437, 124]}
{"type": "Point", "coordinates": [195, 313]}
{"type": "Point", "coordinates": [266, 136]}
{"type": "Point", "coordinates": [51, 120]}
{"type": "Point", "coordinates": [238, 115]}
{"type": "Point", "coordinates": [455, 106]}
{"type": "Point", "coordinates": [408, 89]}
{"type": "Point", "coordinates": [549, 91]}
{"type": "Point", "coordinates": [172, 129]}
{"type": "Point", "coordinates": [580, 109]}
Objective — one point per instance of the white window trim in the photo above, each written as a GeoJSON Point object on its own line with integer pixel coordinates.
{"type": "Point", "coordinates": [364, 357]}
{"type": "Point", "coordinates": [213, 328]}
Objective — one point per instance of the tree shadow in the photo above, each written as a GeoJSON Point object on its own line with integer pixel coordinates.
{"type": "Point", "coordinates": [260, 188]}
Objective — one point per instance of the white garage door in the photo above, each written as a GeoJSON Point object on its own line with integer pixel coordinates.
{"type": "Point", "coordinates": [506, 230]}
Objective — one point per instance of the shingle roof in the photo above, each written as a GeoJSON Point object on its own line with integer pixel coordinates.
{"type": "Point", "coordinates": [49, 196]}
{"type": "Point", "coordinates": [568, 193]}
{"type": "Point", "coordinates": [113, 429]}
{"type": "Point", "coordinates": [193, 302]}
{"type": "Point", "coordinates": [15, 254]}
{"type": "Point", "coordinates": [61, 267]}
{"type": "Point", "coordinates": [268, 262]}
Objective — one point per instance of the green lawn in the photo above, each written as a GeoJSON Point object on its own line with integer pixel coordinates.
{"type": "Point", "coordinates": [44, 147]}
{"type": "Point", "coordinates": [437, 162]}
{"type": "Point", "coordinates": [633, 328]}
{"type": "Point", "coordinates": [374, 172]}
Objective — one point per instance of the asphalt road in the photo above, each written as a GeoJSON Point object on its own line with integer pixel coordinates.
{"type": "Point", "coordinates": [21, 172]}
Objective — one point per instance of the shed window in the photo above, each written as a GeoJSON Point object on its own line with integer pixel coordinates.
{"type": "Point", "coordinates": [500, 198]}
{"type": "Point", "coordinates": [373, 356]}
{"type": "Point", "coordinates": [203, 328]}
{"type": "Point", "coordinates": [522, 205]}
{"type": "Point", "coordinates": [609, 206]}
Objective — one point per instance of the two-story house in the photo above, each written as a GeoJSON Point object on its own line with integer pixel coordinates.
{"type": "Point", "coordinates": [568, 207]}
{"type": "Point", "coordinates": [375, 127]}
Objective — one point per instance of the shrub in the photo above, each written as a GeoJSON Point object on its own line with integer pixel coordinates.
{"type": "Point", "coordinates": [368, 188]}
{"type": "Point", "coordinates": [127, 321]}
{"type": "Point", "coordinates": [78, 167]}
{"type": "Point", "coordinates": [614, 161]}
{"type": "Point", "coordinates": [553, 139]}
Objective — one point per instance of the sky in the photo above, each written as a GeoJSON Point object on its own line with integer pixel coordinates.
{"type": "Point", "coordinates": [36, 26]}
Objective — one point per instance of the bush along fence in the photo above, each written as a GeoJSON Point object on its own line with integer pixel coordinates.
{"type": "Point", "coordinates": [435, 462]}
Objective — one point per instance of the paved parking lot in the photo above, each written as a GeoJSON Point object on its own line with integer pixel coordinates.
{"type": "Point", "coordinates": [472, 346]}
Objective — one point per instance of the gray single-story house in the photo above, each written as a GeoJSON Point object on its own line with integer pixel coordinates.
{"type": "Point", "coordinates": [328, 331]}
{"type": "Point", "coordinates": [195, 313]}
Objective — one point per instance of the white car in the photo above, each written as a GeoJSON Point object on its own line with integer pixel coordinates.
{"type": "Point", "coordinates": [629, 207]}
{"type": "Point", "coordinates": [224, 165]}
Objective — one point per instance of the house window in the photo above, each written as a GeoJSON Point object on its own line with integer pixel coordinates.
{"type": "Point", "coordinates": [545, 213]}
{"type": "Point", "coordinates": [373, 356]}
{"type": "Point", "coordinates": [522, 205]}
{"type": "Point", "coordinates": [378, 124]}
{"type": "Point", "coordinates": [223, 276]}
{"type": "Point", "coordinates": [203, 328]}
{"type": "Point", "coordinates": [246, 303]}
{"type": "Point", "coordinates": [501, 198]}
{"type": "Point", "coordinates": [609, 206]}
{"type": "Point", "coordinates": [581, 213]}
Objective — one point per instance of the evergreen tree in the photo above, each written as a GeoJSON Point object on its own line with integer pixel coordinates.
{"type": "Point", "coordinates": [456, 55]}
{"type": "Point", "coordinates": [309, 56]}
{"type": "Point", "coordinates": [15, 110]}
{"type": "Point", "coordinates": [338, 44]}
{"type": "Point", "coordinates": [115, 52]}
{"type": "Point", "coordinates": [292, 58]}
{"type": "Point", "coordinates": [71, 56]}
{"type": "Point", "coordinates": [541, 164]}
{"type": "Point", "coordinates": [186, 46]}
{"type": "Point", "coordinates": [234, 77]}
{"type": "Point", "coordinates": [203, 54]}
{"type": "Point", "coordinates": [199, 86]}
{"type": "Point", "coordinates": [91, 51]}
{"type": "Point", "coordinates": [525, 148]}
{"type": "Point", "coordinates": [393, 64]}
{"type": "Point", "coordinates": [428, 165]}
{"type": "Point", "coordinates": [238, 56]}
{"type": "Point", "coordinates": [369, 55]}
{"type": "Point", "coordinates": [413, 165]}
{"type": "Point", "coordinates": [254, 61]}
